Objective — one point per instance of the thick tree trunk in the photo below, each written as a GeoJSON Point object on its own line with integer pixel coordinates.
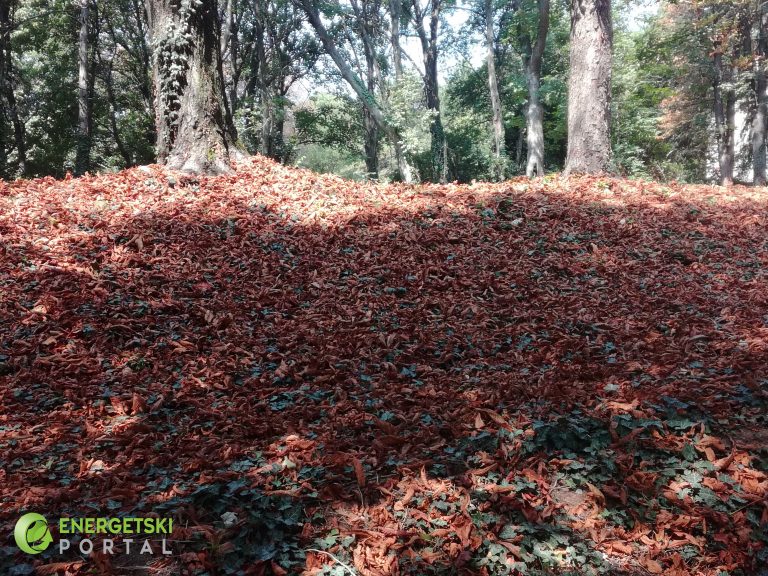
{"type": "Point", "coordinates": [84, 123]}
{"type": "Point", "coordinates": [589, 87]}
{"type": "Point", "coordinates": [493, 86]}
{"type": "Point", "coordinates": [371, 129]}
{"type": "Point", "coordinates": [19, 129]}
{"type": "Point", "coordinates": [725, 111]}
{"type": "Point", "coordinates": [8, 88]}
{"type": "Point", "coordinates": [193, 133]}
{"type": "Point", "coordinates": [367, 98]}
{"type": "Point", "coordinates": [535, 112]}
{"type": "Point", "coordinates": [760, 121]}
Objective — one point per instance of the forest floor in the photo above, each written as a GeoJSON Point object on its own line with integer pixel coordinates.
{"type": "Point", "coordinates": [317, 376]}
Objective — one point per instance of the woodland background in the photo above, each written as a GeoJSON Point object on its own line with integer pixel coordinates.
{"type": "Point", "coordinates": [688, 90]}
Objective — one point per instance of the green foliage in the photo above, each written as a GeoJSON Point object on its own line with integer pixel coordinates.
{"type": "Point", "coordinates": [638, 149]}
{"type": "Point", "coordinates": [467, 108]}
{"type": "Point", "coordinates": [467, 126]}
{"type": "Point", "coordinates": [409, 115]}
{"type": "Point", "coordinates": [330, 120]}
{"type": "Point", "coordinates": [329, 136]}
{"type": "Point", "coordinates": [44, 54]}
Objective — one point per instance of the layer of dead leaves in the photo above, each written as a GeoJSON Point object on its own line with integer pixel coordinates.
{"type": "Point", "coordinates": [154, 325]}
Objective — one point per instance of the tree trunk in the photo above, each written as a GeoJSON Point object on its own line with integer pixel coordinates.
{"type": "Point", "coordinates": [19, 129]}
{"type": "Point", "coordinates": [371, 146]}
{"type": "Point", "coordinates": [230, 45]}
{"type": "Point", "coordinates": [111, 98]}
{"type": "Point", "coordinates": [83, 155]}
{"type": "Point", "coordinates": [730, 149]}
{"type": "Point", "coordinates": [282, 152]}
{"type": "Point", "coordinates": [724, 109]}
{"type": "Point", "coordinates": [760, 121]}
{"type": "Point", "coordinates": [192, 129]}
{"type": "Point", "coordinates": [431, 89]}
{"type": "Point", "coordinates": [266, 147]}
{"type": "Point", "coordinates": [535, 113]}
{"type": "Point", "coordinates": [395, 11]}
{"type": "Point", "coordinates": [8, 88]}
{"type": "Point", "coordinates": [367, 20]}
{"type": "Point", "coordinates": [589, 87]}
{"type": "Point", "coordinates": [493, 86]}
{"type": "Point", "coordinates": [367, 98]}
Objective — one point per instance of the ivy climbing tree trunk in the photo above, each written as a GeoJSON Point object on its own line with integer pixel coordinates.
{"type": "Point", "coordinates": [367, 22]}
{"type": "Point", "coordinates": [193, 133]}
{"type": "Point", "coordinates": [589, 87]}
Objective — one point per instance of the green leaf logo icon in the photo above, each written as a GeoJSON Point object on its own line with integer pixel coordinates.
{"type": "Point", "coordinates": [31, 533]}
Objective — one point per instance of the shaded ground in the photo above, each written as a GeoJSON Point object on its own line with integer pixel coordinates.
{"type": "Point", "coordinates": [558, 376]}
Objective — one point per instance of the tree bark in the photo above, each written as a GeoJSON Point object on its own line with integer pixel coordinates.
{"type": "Point", "coordinates": [371, 146]}
{"type": "Point", "coordinates": [366, 97]}
{"type": "Point", "coordinates": [266, 147]}
{"type": "Point", "coordinates": [589, 87]}
{"type": "Point", "coordinates": [193, 133]}
{"type": "Point", "coordinates": [84, 114]}
{"type": "Point", "coordinates": [724, 110]}
{"type": "Point", "coordinates": [112, 99]}
{"type": "Point", "coordinates": [395, 12]}
{"type": "Point", "coordinates": [146, 59]}
{"type": "Point", "coordinates": [493, 86]}
{"type": "Point", "coordinates": [366, 14]}
{"type": "Point", "coordinates": [760, 121]}
{"type": "Point", "coordinates": [230, 46]}
{"type": "Point", "coordinates": [535, 112]}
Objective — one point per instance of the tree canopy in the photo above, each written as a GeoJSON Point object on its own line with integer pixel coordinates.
{"type": "Point", "coordinates": [397, 90]}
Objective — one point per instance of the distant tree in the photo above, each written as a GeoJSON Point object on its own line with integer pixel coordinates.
{"type": "Point", "coordinates": [533, 54]}
{"type": "Point", "coordinates": [86, 50]}
{"type": "Point", "coordinates": [9, 110]}
{"type": "Point", "coordinates": [760, 120]}
{"type": "Point", "coordinates": [499, 137]}
{"type": "Point", "coordinates": [270, 48]}
{"type": "Point", "coordinates": [426, 21]}
{"type": "Point", "coordinates": [369, 100]}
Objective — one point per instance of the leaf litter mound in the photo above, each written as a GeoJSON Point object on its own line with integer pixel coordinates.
{"type": "Point", "coordinates": [317, 376]}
